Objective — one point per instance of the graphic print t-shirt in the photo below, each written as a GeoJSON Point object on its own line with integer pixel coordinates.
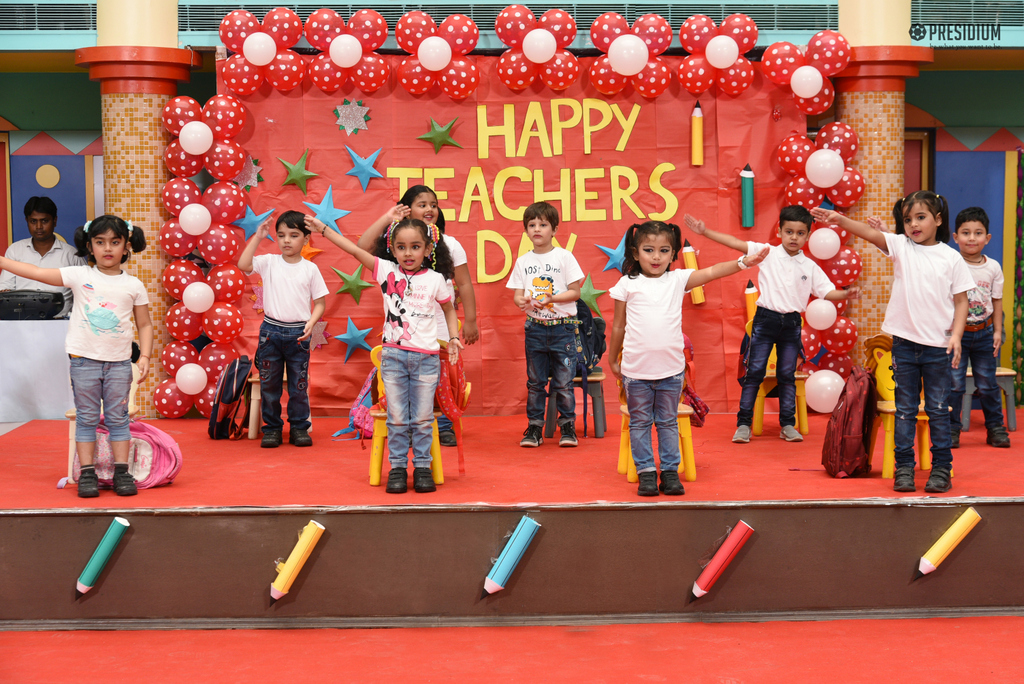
{"type": "Point", "coordinates": [102, 326]}
{"type": "Point", "coordinates": [549, 273]}
{"type": "Point", "coordinates": [409, 306]}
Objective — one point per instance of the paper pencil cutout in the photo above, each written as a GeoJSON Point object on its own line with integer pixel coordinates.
{"type": "Point", "coordinates": [947, 542]}
{"type": "Point", "coordinates": [697, 136]}
{"type": "Point", "coordinates": [690, 261]}
{"type": "Point", "coordinates": [101, 556]}
{"type": "Point", "coordinates": [510, 556]}
{"type": "Point", "coordinates": [747, 196]}
{"type": "Point", "coordinates": [751, 294]}
{"type": "Point", "coordinates": [289, 570]}
{"type": "Point", "coordinates": [720, 561]}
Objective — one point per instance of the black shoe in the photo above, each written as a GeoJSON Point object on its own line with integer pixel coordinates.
{"type": "Point", "coordinates": [670, 484]}
{"type": "Point", "coordinates": [88, 484]}
{"type": "Point", "coordinates": [397, 483]}
{"type": "Point", "coordinates": [299, 438]}
{"type": "Point", "coordinates": [938, 481]}
{"type": "Point", "coordinates": [997, 437]}
{"type": "Point", "coordinates": [568, 438]}
{"type": "Point", "coordinates": [532, 437]}
{"type": "Point", "coordinates": [903, 481]}
{"type": "Point", "coordinates": [447, 438]}
{"type": "Point", "coordinates": [954, 439]}
{"type": "Point", "coordinates": [124, 483]}
{"type": "Point", "coordinates": [423, 480]}
{"type": "Point", "coordinates": [648, 484]}
{"type": "Point", "coordinates": [271, 439]}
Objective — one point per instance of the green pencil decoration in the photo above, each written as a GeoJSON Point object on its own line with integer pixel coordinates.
{"type": "Point", "coordinates": [101, 556]}
{"type": "Point", "coordinates": [747, 195]}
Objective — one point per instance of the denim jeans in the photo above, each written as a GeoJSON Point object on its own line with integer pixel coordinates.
{"type": "Point", "coordinates": [106, 381]}
{"type": "Point", "coordinates": [915, 364]}
{"type": "Point", "coordinates": [550, 352]}
{"type": "Point", "coordinates": [279, 348]}
{"type": "Point", "coordinates": [657, 402]}
{"type": "Point", "coordinates": [782, 331]}
{"type": "Point", "coordinates": [410, 380]}
{"type": "Point", "coordinates": [976, 347]}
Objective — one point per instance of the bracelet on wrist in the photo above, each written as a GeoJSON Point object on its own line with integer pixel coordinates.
{"type": "Point", "coordinates": [742, 264]}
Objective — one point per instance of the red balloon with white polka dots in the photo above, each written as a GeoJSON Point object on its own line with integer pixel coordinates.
{"type": "Point", "coordinates": [222, 322]}
{"type": "Point", "coordinates": [513, 23]}
{"type": "Point", "coordinates": [829, 51]}
{"type": "Point", "coordinates": [413, 77]}
{"type": "Point", "coordinates": [695, 33]}
{"type": "Point", "coordinates": [696, 75]}
{"type": "Point", "coordinates": [740, 28]}
{"type": "Point", "coordinates": [460, 78]}
{"type": "Point", "coordinates": [737, 78]}
{"type": "Point", "coordinates": [175, 241]}
{"type": "Point", "coordinates": [225, 201]}
{"type": "Point", "coordinates": [215, 357]}
{"type": "Point", "coordinates": [181, 163]}
{"type": "Point", "coordinates": [179, 111]}
{"type": "Point", "coordinates": [227, 282]}
{"type": "Point", "coordinates": [561, 71]}
{"type": "Point", "coordinates": [170, 401]}
{"type": "Point", "coordinates": [220, 244]}
{"type": "Point", "coordinates": [840, 137]}
{"type": "Point", "coordinates": [515, 71]}
{"type": "Point", "coordinates": [225, 159]}
{"type": "Point", "coordinates": [369, 28]}
{"type": "Point", "coordinates": [284, 26]}
{"type": "Point", "coordinates": [780, 60]}
{"type": "Point", "coordinates": [177, 193]}
{"type": "Point", "coordinates": [241, 77]}
{"type": "Point", "coordinates": [371, 73]}
{"type": "Point", "coordinates": [285, 71]}
{"type": "Point", "coordinates": [206, 397]}
{"type": "Point", "coordinates": [460, 32]}
{"type": "Point", "coordinates": [654, 79]}
{"type": "Point", "coordinates": [325, 74]}
{"type": "Point", "coordinates": [606, 28]}
{"type": "Point", "coordinates": [606, 80]}
{"type": "Point", "coordinates": [412, 28]}
{"type": "Point", "coordinates": [820, 103]}
{"type": "Point", "coordinates": [801, 191]}
{"type": "Point", "coordinates": [225, 115]}
{"type": "Point", "coordinates": [176, 354]}
{"type": "Point", "coordinates": [655, 31]}
{"type": "Point", "coordinates": [323, 26]}
{"type": "Point", "coordinates": [178, 275]}
{"type": "Point", "coordinates": [793, 153]}
{"type": "Point", "coordinates": [561, 25]}
{"type": "Point", "coordinates": [236, 26]}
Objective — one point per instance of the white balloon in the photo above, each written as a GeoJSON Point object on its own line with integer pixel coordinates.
{"type": "Point", "coordinates": [345, 50]}
{"type": "Point", "coordinates": [823, 389]}
{"type": "Point", "coordinates": [806, 81]}
{"type": "Point", "coordinates": [628, 54]}
{"type": "Point", "coordinates": [196, 137]}
{"type": "Point", "coordinates": [190, 378]}
{"type": "Point", "coordinates": [434, 53]}
{"type": "Point", "coordinates": [824, 168]}
{"type": "Point", "coordinates": [824, 243]}
{"type": "Point", "coordinates": [820, 314]}
{"type": "Point", "coordinates": [722, 52]}
{"type": "Point", "coordinates": [259, 49]}
{"type": "Point", "coordinates": [195, 219]}
{"type": "Point", "coordinates": [540, 45]}
{"type": "Point", "coordinates": [197, 297]}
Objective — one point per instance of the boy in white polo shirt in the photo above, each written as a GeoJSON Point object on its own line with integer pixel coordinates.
{"type": "Point", "coordinates": [787, 279]}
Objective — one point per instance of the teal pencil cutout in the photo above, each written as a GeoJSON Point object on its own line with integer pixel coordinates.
{"type": "Point", "coordinates": [510, 556]}
{"type": "Point", "coordinates": [101, 555]}
{"type": "Point", "coordinates": [747, 196]}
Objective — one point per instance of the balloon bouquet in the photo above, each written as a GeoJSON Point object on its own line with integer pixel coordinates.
{"type": "Point", "coordinates": [438, 54]}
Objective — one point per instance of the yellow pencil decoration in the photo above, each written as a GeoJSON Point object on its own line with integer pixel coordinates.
{"type": "Point", "coordinates": [289, 570]}
{"type": "Point", "coordinates": [751, 295]}
{"type": "Point", "coordinates": [947, 542]}
{"type": "Point", "coordinates": [690, 261]}
{"type": "Point", "coordinates": [697, 135]}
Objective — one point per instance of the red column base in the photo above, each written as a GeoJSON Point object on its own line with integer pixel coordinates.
{"type": "Point", "coordinates": [134, 69]}
{"type": "Point", "coordinates": [882, 68]}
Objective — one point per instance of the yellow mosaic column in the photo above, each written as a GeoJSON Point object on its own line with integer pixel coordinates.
{"type": "Point", "coordinates": [138, 64]}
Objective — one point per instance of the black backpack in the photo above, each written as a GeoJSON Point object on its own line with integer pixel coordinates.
{"type": "Point", "coordinates": [590, 347]}
{"type": "Point", "coordinates": [229, 418]}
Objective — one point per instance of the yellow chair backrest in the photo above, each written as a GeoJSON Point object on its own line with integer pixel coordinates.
{"type": "Point", "coordinates": [375, 357]}
{"type": "Point", "coordinates": [879, 361]}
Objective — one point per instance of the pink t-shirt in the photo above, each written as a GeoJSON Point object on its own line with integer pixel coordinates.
{"type": "Point", "coordinates": [409, 306]}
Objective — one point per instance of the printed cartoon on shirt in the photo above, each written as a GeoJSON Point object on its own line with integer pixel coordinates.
{"type": "Point", "coordinates": [396, 328]}
{"type": "Point", "coordinates": [977, 299]}
{"type": "Point", "coordinates": [100, 316]}
{"type": "Point", "coordinates": [544, 287]}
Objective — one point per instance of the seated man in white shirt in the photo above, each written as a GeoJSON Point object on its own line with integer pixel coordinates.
{"type": "Point", "coordinates": [43, 249]}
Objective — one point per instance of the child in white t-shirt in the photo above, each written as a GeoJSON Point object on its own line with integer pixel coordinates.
{"type": "Point", "coordinates": [547, 283]}
{"type": "Point", "coordinates": [648, 333]}
{"type": "Point", "coordinates": [290, 283]}
{"type": "Point", "coordinates": [926, 315]}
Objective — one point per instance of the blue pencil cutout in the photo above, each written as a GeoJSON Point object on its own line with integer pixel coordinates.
{"type": "Point", "coordinates": [510, 556]}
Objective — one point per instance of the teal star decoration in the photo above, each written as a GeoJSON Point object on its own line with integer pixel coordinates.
{"type": "Point", "coordinates": [297, 173]}
{"type": "Point", "coordinates": [363, 168]}
{"type": "Point", "coordinates": [251, 222]}
{"type": "Point", "coordinates": [439, 135]}
{"type": "Point", "coordinates": [326, 211]}
{"type": "Point", "coordinates": [353, 339]}
{"type": "Point", "coordinates": [352, 284]}
{"type": "Point", "coordinates": [352, 117]}
{"type": "Point", "coordinates": [615, 256]}
{"type": "Point", "coordinates": [589, 295]}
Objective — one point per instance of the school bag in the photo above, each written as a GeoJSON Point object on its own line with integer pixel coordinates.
{"type": "Point", "coordinates": [590, 347]}
{"type": "Point", "coordinates": [229, 417]}
{"type": "Point", "coordinates": [452, 400]}
{"type": "Point", "coordinates": [360, 422]}
{"type": "Point", "coordinates": [846, 450]}
{"type": "Point", "coordinates": [154, 458]}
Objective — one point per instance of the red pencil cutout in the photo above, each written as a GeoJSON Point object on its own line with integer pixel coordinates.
{"type": "Point", "coordinates": [720, 561]}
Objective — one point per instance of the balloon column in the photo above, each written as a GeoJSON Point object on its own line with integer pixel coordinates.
{"type": "Point", "coordinates": [716, 53]}
{"type": "Point", "coordinates": [822, 168]}
{"type": "Point", "coordinates": [438, 54]}
{"type": "Point", "coordinates": [807, 72]}
{"type": "Point", "coordinates": [537, 47]}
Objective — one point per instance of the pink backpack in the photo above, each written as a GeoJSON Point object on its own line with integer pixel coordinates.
{"type": "Point", "coordinates": [154, 458]}
{"type": "Point", "coordinates": [360, 423]}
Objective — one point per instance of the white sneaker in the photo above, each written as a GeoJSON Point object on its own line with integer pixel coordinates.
{"type": "Point", "coordinates": [790, 434]}
{"type": "Point", "coordinates": [742, 435]}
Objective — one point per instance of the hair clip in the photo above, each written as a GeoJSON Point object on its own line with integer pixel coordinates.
{"type": "Point", "coordinates": [85, 228]}
{"type": "Point", "coordinates": [388, 234]}
{"type": "Point", "coordinates": [130, 226]}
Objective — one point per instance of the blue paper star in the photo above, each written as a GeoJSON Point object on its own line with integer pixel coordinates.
{"type": "Point", "coordinates": [326, 211]}
{"type": "Point", "coordinates": [363, 168]}
{"type": "Point", "coordinates": [353, 339]}
{"type": "Point", "coordinates": [615, 256]}
{"type": "Point", "coordinates": [251, 222]}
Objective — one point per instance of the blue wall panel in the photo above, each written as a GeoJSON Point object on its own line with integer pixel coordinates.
{"type": "Point", "coordinates": [974, 179]}
{"type": "Point", "coordinates": [68, 194]}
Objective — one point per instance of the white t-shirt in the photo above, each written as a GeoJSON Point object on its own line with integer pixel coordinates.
{"type": "Point", "coordinates": [549, 273]}
{"type": "Point", "coordinates": [59, 255]}
{"type": "Point", "coordinates": [102, 322]}
{"type": "Point", "coordinates": [458, 259]}
{"type": "Point", "coordinates": [988, 279]}
{"type": "Point", "coordinates": [289, 289]}
{"type": "Point", "coordinates": [787, 282]}
{"type": "Point", "coordinates": [409, 321]}
{"type": "Point", "coordinates": [926, 278]}
{"type": "Point", "coordinates": [653, 347]}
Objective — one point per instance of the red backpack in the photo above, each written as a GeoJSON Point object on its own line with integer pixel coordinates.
{"type": "Point", "coordinates": [845, 452]}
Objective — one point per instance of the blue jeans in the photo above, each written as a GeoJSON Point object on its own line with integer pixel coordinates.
{"type": "Point", "coordinates": [410, 380]}
{"type": "Point", "coordinates": [915, 364]}
{"type": "Point", "coordinates": [106, 381]}
{"type": "Point", "coordinates": [654, 402]}
{"type": "Point", "coordinates": [550, 352]}
{"type": "Point", "coordinates": [279, 347]}
{"type": "Point", "coordinates": [977, 348]}
{"type": "Point", "coordinates": [782, 331]}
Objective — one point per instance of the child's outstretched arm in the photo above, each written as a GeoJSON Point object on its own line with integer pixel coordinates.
{"type": "Point", "coordinates": [838, 294]}
{"type": "Point", "coordinates": [959, 321]}
{"type": "Point", "coordinates": [145, 326]}
{"type": "Point", "coordinates": [731, 241]}
{"type": "Point", "coordinates": [370, 235]}
{"type": "Point", "coordinates": [725, 268]}
{"type": "Point", "coordinates": [861, 230]}
{"type": "Point", "coordinates": [454, 344]}
{"type": "Point", "coordinates": [245, 258]}
{"type": "Point", "coordinates": [618, 333]}
{"type": "Point", "coordinates": [364, 257]}
{"type": "Point", "coordinates": [50, 276]}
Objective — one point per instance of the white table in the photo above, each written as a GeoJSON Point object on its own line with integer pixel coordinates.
{"type": "Point", "coordinates": [34, 380]}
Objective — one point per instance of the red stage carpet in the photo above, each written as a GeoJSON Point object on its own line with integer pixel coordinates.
{"type": "Point", "coordinates": [222, 473]}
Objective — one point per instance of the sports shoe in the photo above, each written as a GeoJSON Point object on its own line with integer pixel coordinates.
{"type": "Point", "coordinates": [88, 484]}
{"type": "Point", "coordinates": [299, 438]}
{"type": "Point", "coordinates": [423, 480]}
{"type": "Point", "coordinates": [124, 483]}
{"type": "Point", "coordinates": [568, 438]}
{"type": "Point", "coordinates": [903, 481]}
{"type": "Point", "coordinates": [397, 481]}
{"type": "Point", "coordinates": [532, 437]}
{"type": "Point", "coordinates": [938, 481]}
{"type": "Point", "coordinates": [447, 438]}
{"type": "Point", "coordinates": [954, 439]}
{"type": "Point", "coordinates": [271, 439]}
{"type": "Point", "coordinates": [648, 484]}
{"type": "Point", "coordinates": [670, 484]}
{"type": "Point", "coordinates": [790, 434]}
{"type": "Point", "coordinates": [742, 434]}
{"type": "Point", "coordinates": [997, 437]}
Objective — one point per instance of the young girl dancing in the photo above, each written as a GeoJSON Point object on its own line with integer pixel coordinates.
{"type": "Point", "coordinates": [926, 315]}
{"type": "Point", "coordinates": [648, 333]}
{"type": "Point", "coordinates": [99, 339]}
{"type": "Point", "coordinates": [409, 363]}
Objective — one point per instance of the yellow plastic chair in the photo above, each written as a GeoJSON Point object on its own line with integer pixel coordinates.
{"type": "Point", "coordinates": [687, 465]}
{"type": "Point", "coordinates": [768, 384]}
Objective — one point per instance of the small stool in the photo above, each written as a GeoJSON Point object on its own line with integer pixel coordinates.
{"type": "Point", "coordinates": [255, 406]}
{"type": "Point", "coordinates": [770, 383]}
{"type": "Point", "coordinates": [380, 433]}
{"type": "Point", "coordinates": [1005, 377]}
{"type": "Point", "coordinates": [595, 389]}
{"type": "Point", "coordinates": [687, 465]}
{"type": "Point", "coordinates": [887, 418]}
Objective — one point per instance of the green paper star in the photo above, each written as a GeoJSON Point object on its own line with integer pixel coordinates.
{"type": "Point", "coordinates": [352, 284]}
{"type": "Point", "coordinates": [589, 295]}
{"type": "Point", "coordinates": [439, 135]}
{"type": "Point", "coordinates": [297, 173]}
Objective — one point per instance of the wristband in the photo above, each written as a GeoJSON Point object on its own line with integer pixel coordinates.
{"type": "Point", "coordinates": [743, 266]}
